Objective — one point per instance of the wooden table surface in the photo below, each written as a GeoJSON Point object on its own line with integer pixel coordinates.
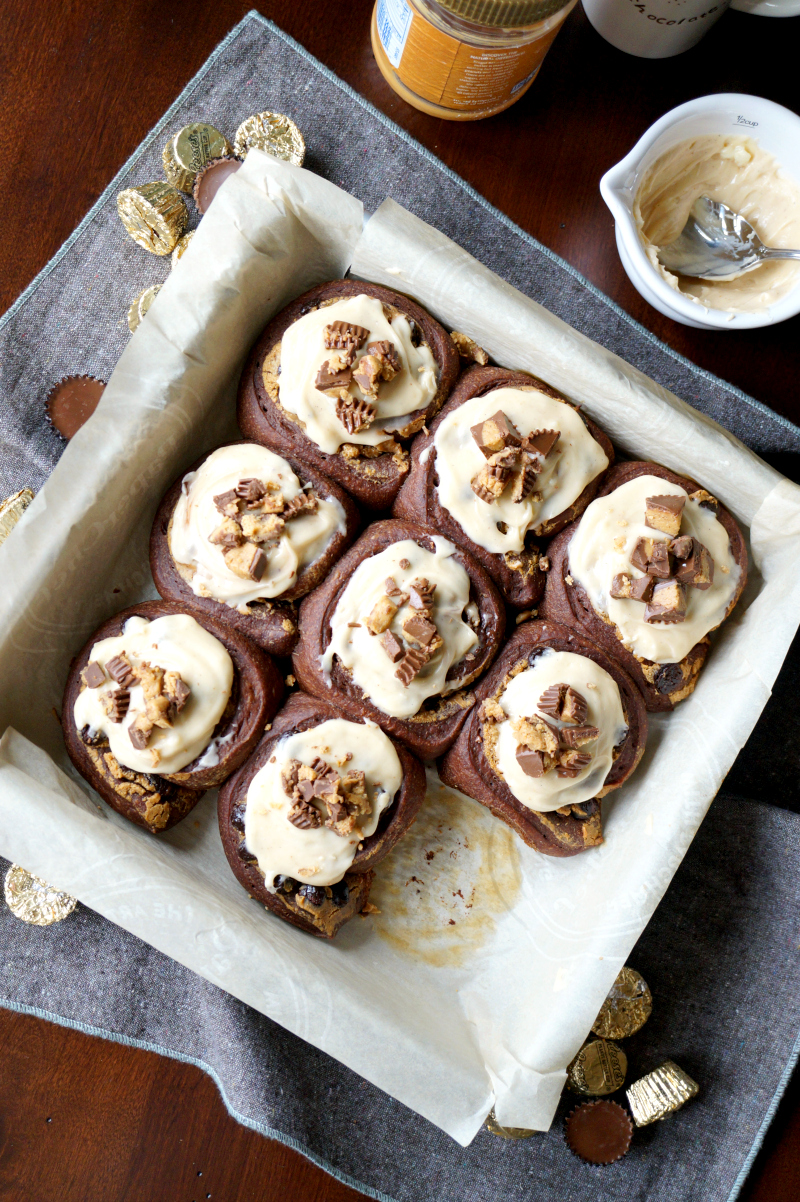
{"type": "Point", "coordinates": [81, 83]}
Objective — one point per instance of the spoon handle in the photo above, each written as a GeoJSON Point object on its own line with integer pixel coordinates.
{"type": "Point", "coordinates": [773, 252]}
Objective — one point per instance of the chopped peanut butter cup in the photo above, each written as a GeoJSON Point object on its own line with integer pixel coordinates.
{"type": "Point", "coordinates": [250, 538]}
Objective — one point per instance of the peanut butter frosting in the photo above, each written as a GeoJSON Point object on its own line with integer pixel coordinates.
{"type": "Point", "coordinates": [501, 526]}
{"type": "Point", "coordinates": [175, 644]}
{"type": "Point", "coordinates": [602, 548]}
{"type": "Point", "coordinates": [318, 855]}
{"type": "Point", "coordinates": [301, 540]}
{"type": "Point", "coordinates": [362, 621]}
{"type": "Point", "coordinates": [520, 700]}
{"type": "Point", "coordinates": [303, 352]}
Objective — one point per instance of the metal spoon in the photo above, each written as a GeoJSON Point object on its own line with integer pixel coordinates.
{"type": "Point", "coordinates": [717, 243]}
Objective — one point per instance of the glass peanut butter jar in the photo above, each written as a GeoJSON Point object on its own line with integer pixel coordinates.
{"type": "Point", "coordinates": [464, 59]}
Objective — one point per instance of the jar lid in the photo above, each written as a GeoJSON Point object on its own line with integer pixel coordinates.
{"type": "Point", "coordinates": [504, 13]}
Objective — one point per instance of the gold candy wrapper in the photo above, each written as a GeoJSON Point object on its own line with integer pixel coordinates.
{"type": "Point", "coordinates": [180, 247]}
{"type": "Point", "coordinates": [627, 1007]}
{"type": "Point", "coordinates": [275, 133]}
{"type": "Point", "coordinates": [33, 900]}
{"type": "Point", "coordinates": [599, 1068]}
{"type": "Point", "coordinates": [188, 152]}
{"type": "Point", "coordinates": [12, 509]}
{"type": "Point", "coordinates": [660, 1093]}
{"type": "Point", "coordinates": [140, 306]}
{"type": "Point", "coordinates": [154, 215]}
{"type": "Point", "coordinates": [492, 1125]}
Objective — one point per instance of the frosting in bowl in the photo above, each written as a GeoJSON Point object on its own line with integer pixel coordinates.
{"type": "Point", "coordinates": [737, 171]}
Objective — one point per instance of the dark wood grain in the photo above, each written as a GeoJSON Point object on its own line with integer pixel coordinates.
{"type": "Point", "coordinates": [80, 86]}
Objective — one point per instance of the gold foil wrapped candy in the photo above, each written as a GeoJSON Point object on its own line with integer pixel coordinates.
{"type": "Point", "coordinates": [275, 133]}
{"type": "Point", "coordinates": [140, 305]}
{"type": "Point", "coordinates": [492, 1125]}
{"type": "Point", "coordinates": [12, 509]}
{"type": "Point", "coordinates": [660, 1093]}
{"type": "Point", "coordinates": [627, 1007]}
{"type": "Point", "coordinates": [154, 215]}
{"type": "Point", "coordinates": [180, 247]}
{"type": "Point", "coordinates": [188, 152]}
{"type": "Point", "coordinates": [599, 1068]}
{"type": "Point", "coordinates": [33, 900]}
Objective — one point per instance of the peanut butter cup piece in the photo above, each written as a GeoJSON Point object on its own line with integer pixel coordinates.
{"type": "Point", "coordinates": [71, 403]}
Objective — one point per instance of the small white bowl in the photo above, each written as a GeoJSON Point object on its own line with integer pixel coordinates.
{"type": "Point", "coordinates": [774, 127]}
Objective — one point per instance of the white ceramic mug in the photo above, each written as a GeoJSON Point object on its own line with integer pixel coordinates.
{"type": "Point", "coordinates": [654, 28]}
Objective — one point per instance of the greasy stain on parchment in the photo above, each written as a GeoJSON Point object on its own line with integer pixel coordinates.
{"type": "Point", "coordinates": [441, 888]}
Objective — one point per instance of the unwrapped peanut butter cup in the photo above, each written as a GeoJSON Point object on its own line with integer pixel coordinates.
{"type": "Point", "coordinates": [599, 1132]}
{"type": "Point", "coordinates": [599, 1068]}
{"type": "Point", "coordinates": [190, 150]}
{"type": "Point", "coordinates": [627, 1007]}
{"type": "Point", "coordinates": [660, 1093]}
{"type": "Point", "coordinates": [154, 215]}
{"type": "Point", "coordinates": [72, 402]}
{"type": "Point", "coordinates": [32, 900]}
{"type": "Point", "coordinates": [211, 178]}
{"type": "Point", "coordinates": [274, 133]}
{"type": "Point", "coordinates": [139, 306]}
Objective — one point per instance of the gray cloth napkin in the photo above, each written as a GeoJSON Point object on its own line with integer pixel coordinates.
{"type": "Point", "coordinates": [726, 927]}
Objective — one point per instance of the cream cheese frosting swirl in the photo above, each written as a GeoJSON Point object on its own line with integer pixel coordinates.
{"type": "Point", "coordinates": [318, 856]}
{"type": "Point", "coordinates": [176, 643]}
{"type": "Point", "coordinates": [303, 539]}
{"type": "Point", "coordinates": [520, 699]}
{"type": "Point", "coordinates": [575, 461]}
{"type": "Point", "coordinates": [602, 545]}
{"type": "Point", "coordinates": [362, 653]}
{"type": "Point", "coordinates": [303, 351]}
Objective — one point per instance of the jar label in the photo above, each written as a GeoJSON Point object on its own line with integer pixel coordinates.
{"type": "Point", "coordinates": [394, 22]}
{"type": "Point", "coordinates": [457, 75]}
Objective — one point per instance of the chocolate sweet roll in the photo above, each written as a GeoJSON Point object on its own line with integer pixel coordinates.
{"type": "Point", "coordinates": [557, 724]}
{"type": "Point", "coordinates": [398, 632]}
{"type": "Point", "coordinates": [507, 462]}
{"type": "Point", "coordinates": [243, 534]}
{"type": "Point", "coordinates": [161, 705]}
{"type": "Point", "coordinates": [342, 378]}
{"type": "Point", "coordinates": [311, 813]}
{"type": "Point", "coordinates": [653, 566]}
